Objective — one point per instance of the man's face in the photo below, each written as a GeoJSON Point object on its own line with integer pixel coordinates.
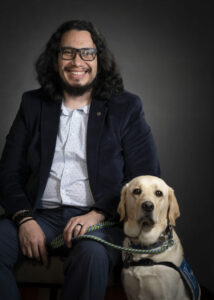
{"type": "Point", "coordinates": [77, 73]}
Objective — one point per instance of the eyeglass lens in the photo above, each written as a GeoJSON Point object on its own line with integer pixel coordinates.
{"type": "Point", "coordinates": [85, 53]}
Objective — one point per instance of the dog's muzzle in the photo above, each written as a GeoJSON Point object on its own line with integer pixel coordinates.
{"type": "Point", "coordinates": [147, 218]}
{"type": "Point", "coordinates": [147, 206]}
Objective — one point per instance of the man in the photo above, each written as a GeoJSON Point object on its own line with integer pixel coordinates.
{"type": "Point", "coordinates": [74, 143]}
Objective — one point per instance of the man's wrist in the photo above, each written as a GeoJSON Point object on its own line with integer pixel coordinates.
{"type": "Point", "coordinates": [25, 220]}
{"type": "Point", "coordinates": [20, 215]}
{"type": "Point", "coordinates": [98, 211]}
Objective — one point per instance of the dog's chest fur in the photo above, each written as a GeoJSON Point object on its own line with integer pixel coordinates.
{"type": "Point", "coordinates": [154, 282]}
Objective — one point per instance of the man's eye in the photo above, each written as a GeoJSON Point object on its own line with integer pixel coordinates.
{"type": "Point", "coordinates": [86, 52]}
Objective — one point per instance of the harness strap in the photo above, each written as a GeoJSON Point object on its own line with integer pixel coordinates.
{"type": "Point", "coordinates": [192, 287]}
{"type": "Point", "coordinates": [146, 262]}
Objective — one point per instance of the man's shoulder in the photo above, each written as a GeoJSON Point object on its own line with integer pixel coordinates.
{"type": "Point", "coordinates": [124, 101]}
{"type": "Point", "coordinates": [34, 94]}
{"type": "Point", "coordinates": [126, 98]}
{"type": "Point", "coordinates": [34, 99]}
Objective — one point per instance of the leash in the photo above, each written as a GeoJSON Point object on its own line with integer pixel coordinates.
{"type": "Point", "coordinates": [59, 241]}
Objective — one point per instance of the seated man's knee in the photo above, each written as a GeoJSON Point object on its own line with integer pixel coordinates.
{"type": "Point", "coordinates": [88, 253]}
{"type": "Point", "coordinates": [91, 249]}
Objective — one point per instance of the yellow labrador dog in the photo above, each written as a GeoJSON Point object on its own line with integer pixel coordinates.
{"type": "Point", "coordinates": [148, 208]}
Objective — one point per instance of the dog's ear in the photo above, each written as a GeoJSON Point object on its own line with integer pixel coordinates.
{"type": "Point", "coordinates": [121, 208]}
{"type": "Point", "coordinates": [174, 211]}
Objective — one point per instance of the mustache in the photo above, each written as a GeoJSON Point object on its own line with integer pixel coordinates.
{"type": "Point", "coordinates": [71, 67]}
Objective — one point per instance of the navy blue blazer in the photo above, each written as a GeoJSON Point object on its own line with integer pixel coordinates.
{"type": "Point", "coordinates": [120, 146]}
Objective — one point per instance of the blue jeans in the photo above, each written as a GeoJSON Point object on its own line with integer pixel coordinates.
{"type": "Point", "coordinates": [88, 264]}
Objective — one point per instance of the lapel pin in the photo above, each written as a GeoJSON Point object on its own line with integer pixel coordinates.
{"type": "Point", "coordinates": [99, 113]}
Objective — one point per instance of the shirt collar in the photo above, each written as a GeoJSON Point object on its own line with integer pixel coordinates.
{"type": "Point", "coordinates": [67, 111]}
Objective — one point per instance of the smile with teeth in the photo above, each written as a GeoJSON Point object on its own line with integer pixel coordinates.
{"type": "Point", "coordinates": [77, 73]}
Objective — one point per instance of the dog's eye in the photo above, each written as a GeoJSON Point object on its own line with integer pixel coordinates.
{"type": "Point", "coordinates": [137, 191]}
{"type": "Point", "coordinates": [158, 193]}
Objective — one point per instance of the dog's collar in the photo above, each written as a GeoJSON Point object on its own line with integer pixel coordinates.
{"type": "Point", "coordinates": [164, 239]}
{"type": "Point", "coordinates": [165, 236]}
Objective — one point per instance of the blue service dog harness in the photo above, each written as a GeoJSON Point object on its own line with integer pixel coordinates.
{"type": "Point", "coordinates": [184, 269]}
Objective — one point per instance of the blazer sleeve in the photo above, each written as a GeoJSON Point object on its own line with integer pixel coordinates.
{"type": "Point", "coordinates": [139, 155]}
{"type": "Point", "coordinates": [13, 166]}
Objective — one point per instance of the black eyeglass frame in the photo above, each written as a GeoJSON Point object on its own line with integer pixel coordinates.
{"type": "Point", "coordinates": [94, 52]}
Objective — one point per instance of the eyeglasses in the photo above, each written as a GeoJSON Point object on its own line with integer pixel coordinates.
{"type": "Point", "coordinates": [69, 53]}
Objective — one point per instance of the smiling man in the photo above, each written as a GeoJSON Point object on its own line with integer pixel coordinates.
{"type": "Point", "coordinates": [72, 146]}
{"type": "Point", "coordinates": [77, 63]}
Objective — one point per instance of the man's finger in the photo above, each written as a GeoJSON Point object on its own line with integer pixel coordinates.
{"type": "Point", "coordinates": [68, 236]}
{"type": "Point", "coordinates": [28, 252]}
{"type": "Point", "coordinates": [69, 232]}
{"type": "Point", "coordinates": [84, 229]}
{"type": "Point", "coordinates": [35, 252]}
{"type": "Point", "coordinates": [68, 224]}
{"type": "Point", "coordinates": [77, 230]}
{"type": "Point", "coordinates": [43, 254]}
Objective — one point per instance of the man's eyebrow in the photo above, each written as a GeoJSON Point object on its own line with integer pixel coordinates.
{"type": "Point", "coordinates": [69, 47]}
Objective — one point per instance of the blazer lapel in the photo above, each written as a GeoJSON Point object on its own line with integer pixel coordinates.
{"type": "Point", "coordinates": [96, 120]}
{"type": "Point", "coordinates": [49, 127]}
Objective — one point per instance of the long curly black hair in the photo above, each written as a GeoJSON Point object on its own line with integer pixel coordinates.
{"type": "Point", "coordinates": [108, 82]}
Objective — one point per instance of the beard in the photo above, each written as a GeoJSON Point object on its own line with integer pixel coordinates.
{"type": "Point", "coordinates": [77, 90]}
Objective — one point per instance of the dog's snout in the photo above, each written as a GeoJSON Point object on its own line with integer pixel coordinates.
{"type": "Point", "coordinates": [148, 206]}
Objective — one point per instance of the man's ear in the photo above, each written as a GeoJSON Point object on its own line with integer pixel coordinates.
{"type": "Point", "coordinates": [173, 212]}
{"type": "Point", "coordinates": [121, 208]}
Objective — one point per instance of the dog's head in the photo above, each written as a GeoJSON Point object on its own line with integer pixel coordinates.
{"type": "Point", "coordinates": [146, 202]}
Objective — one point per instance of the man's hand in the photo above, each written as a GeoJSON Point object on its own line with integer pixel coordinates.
{"type": "Point", "coordinates": [32, 241]}
{"type": "Point", "coordinates": [79, 225]}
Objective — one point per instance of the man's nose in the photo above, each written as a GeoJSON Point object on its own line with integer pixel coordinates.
{"type": "Point", "coordinates": [77, 60]}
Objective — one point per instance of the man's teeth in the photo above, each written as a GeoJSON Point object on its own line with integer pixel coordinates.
{"type": "Point", "coordinates": [78, 73]}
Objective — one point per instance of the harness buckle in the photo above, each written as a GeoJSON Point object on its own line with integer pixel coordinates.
{"type": "Point", "coordinates": [128, 259]}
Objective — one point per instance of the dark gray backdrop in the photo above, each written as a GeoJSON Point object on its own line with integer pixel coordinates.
{"type": "Point", "coordinates": [165, 53]}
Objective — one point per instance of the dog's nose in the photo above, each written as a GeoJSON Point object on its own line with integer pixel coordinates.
{"type": "Point", "coordinates": [148, 206]}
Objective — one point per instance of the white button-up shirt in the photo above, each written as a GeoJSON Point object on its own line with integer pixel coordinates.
{"type": "Point", "coordinates": [68, 182]}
